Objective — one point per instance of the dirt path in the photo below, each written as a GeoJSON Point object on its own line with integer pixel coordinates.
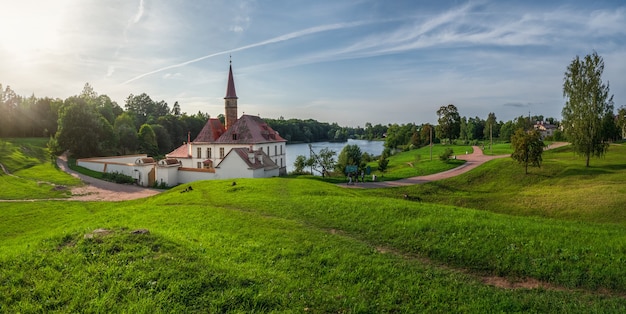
{"type": "Point", "coordinates": [99, 190]}
{"type": "Point", "coordinates": [473, 160]}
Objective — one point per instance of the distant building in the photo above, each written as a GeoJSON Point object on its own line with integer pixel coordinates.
{"type": "Point", "coordinates": [545, 129]}
{"type": "Point", "coordinates": [245, 148]}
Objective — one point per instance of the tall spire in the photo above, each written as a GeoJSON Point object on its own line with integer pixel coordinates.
{"type": "Point", "coordinates": [230, 101]}
{"type": "Point", "coordinates": [230, 90]}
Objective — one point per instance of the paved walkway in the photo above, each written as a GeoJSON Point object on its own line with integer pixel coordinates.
{"type": "Point", "coordinates": [473, 160]}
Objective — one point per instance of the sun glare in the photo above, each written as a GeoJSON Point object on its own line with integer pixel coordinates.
{"type": "Point", "coordinates": [30, 28]}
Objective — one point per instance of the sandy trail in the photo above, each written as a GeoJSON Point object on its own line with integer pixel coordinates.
{"type": "Point", "coordinates": [99, 190]}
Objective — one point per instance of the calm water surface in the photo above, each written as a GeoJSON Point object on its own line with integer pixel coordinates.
{"type": "Point", "coordinates": [293, 150]}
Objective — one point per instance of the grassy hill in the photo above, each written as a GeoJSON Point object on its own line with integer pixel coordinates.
{"type": "Point", "coordinates": [35, 176]}
{"type": "Point", "coordinates": [300, 245]}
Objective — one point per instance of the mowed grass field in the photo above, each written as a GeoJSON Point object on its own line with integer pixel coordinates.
{"type": "Point", "coordinates": [300, 245]}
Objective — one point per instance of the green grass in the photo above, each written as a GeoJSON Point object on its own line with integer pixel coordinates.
{"type": "Point", "coordinates": [418, 163]}
{"type": "Point", "coordinates": [300, 245]}
{"type": "Point", "coordinates": [35, 176]}
{"type": "Point", "coordinates": [562, 188]}
{"type": "Point", "coordinates": [224, 248]}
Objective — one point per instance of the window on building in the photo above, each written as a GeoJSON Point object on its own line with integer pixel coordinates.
{"type": "Point", "coordinates": [221, 152]}
{"type": "Point", "coordinates": [281, 149]}
{"type": "Point", "coordinates": [268, 150]}
{"type": "Point", "coordinates": [234, 136]}
{"type": "Point", "coordinates": [275, 150]}
{"type": "Point", "coordinates": [199, 152]}
{"type": "Point", "coordinates": [208, 153]}
{"type": "Point", "coordinates": [281, 162]}
{"type": "Point", "coordinates": [199, 165]}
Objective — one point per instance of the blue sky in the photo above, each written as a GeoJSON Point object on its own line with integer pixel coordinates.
{"type": "Point", "coordinates": [348, 62]}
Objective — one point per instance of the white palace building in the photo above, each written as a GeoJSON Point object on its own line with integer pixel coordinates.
{"type": "Point", "coordinates": [246, 147]}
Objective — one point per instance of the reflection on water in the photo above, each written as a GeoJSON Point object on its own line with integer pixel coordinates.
{"type": "Point", "coordinates": [293, 150]}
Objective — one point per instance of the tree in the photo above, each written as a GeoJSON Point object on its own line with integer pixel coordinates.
{"type": "Point", "coordinates": [349, 155]}
{"type": "Point", "coordinates": [299, 164]}
{"type": "Point", "coordinates": [383, 162]}
{"type": "Point", "coordinates": [126, 132]}
{"type": "Point", "coordinates": [621, 121]}
{"type": "Point", "coordinates": [587, 103]}
{"type": "Point", "coordinates": [323, 161]}
{"type": "Point", "coordinates": [527, 148]}
{"type": "Point", "coordinates": [147, 140]}
{"type": "Point", "coordinates": [449, 122]}
{"type": "Point", "coordinates": [491, 127]}
{"type": "Point", "coordinates": [82, 130]}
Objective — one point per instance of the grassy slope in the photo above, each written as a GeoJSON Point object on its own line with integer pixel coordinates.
{"type": "Point", "coordinates": [295, 244]}
{"type": "Point", "coordinates": [301, 245]}
{"type": "Point", "coordinates": [34, 173]}
{"type": "Point", "coordinates": [562, 188]}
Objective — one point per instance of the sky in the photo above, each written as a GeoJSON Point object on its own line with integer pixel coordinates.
{"type": "Point", "coordinates": [348, 62]}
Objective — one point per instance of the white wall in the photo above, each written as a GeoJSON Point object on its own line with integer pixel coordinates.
{"type": "Point", "coordinates": [190, 175]}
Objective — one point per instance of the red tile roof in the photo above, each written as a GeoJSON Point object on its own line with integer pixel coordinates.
{"type": "Point", "coordinates": [181, 152]}
{"type": "Point", "coordinates": [211, 131]}
{"type": "Point", "coordinates": [250, 130]}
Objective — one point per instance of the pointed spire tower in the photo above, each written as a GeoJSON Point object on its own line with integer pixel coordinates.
{"type": "Point", "coordinates": [230, 99]}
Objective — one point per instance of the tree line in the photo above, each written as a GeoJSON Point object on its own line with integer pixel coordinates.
{"type": "Point", "coordinates": [89, 124]}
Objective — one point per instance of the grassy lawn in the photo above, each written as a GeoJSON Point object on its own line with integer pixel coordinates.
{"type": "Point", "coordinates": [408, 164]}
{"type": "Point", "coordinates": [35, 174]}
{"type": "Point", "coordinates": [301, 245]}
{"type": "Point", "coordinates": [562, 188]}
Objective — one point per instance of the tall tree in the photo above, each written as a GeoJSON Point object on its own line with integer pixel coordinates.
{"type": "Point", "coordinates": [621, 121]}
{"type": "Point", "coordinates": [527, 148]}
{"type": "Point", "coordinates": [449, 122]}
{"type": "Point", "coordinates": [587, 103]}
{"type": "Point", "coordinates": [82, 130]}
{"type": "Point", "coordinates": [147, 140]}
{"type": "Point", "coordinates": [491, 126]}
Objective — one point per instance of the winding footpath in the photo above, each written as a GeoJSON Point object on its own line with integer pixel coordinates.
{"type": "Point", "coordinates": [472, 161]}
{"type": "Point", "coordinates": [100, 190]}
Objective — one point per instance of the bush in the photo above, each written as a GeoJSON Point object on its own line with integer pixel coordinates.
{"type": "Point", "coordinates": [118, 178]}
{"type": "Point", "coordinates": [445, 156]}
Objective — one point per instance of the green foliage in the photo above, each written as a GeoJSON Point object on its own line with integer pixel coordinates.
{"type": "Point", "coordinates": [322, 162]}
{"type": "Point", "coordinates": [383, 162]}
{"type": "Point", "coordinates": [299, 164]}
{"type": "Point", "coordinates": [446, 154]}
{"type": "Point", "coordinates": [527, 148]}
{"type": "Point", "coordinates": [587, 106]}
{"type": "Point", "coordinates": [349, 155]}
{"type": "Point", "coordinates": [82, 130]}
{"type": "Point", "coordinates": [449, 122]}
{"type": "Point", "coordinates": [118, 177]}
{"type": "Point", "coordinates": [34, 173]}
{"type": "Point", "coordinates": [147, 140]}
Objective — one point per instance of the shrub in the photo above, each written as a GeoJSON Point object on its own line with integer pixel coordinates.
{"type": "Point", "coordinates": [445, 156]}
{"type": "Point", "coordinates": [117, 177]}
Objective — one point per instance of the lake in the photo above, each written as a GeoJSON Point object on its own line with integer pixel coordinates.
{"type": "Point", "coordinates": [374, 148]}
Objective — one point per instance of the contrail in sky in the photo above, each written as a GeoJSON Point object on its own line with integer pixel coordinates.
{"type": "Point", "coordinates": [304, 32]}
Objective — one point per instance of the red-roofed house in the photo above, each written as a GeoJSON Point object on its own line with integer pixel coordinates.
{"type": "Point", "coordinates": [245, 148]}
